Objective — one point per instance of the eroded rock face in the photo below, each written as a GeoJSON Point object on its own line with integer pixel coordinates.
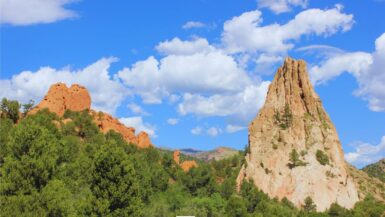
{"type": "Point", "coordinates": [293, 118]}
{"type": "Point", "coordinates": [76, 98]}
{"type": "Point", "coordinates": [60, 98]}
{"type": "Point", "coordinates": [185, 165]}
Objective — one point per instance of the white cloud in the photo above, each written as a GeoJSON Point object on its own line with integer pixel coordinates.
{"type": "Point", "coordinates": [213, 131]}
{"type": "Point", "coordinates": [136, 109]}
{"type": "Point", "coordinates": [193, 24]}
{"type": "Point", "coordinates": [245, 32]}
{"type": "Point", "coordinates": [280, 6]}
{"type": "Point", "coordinates": [354, 63]}
{"type": "Point", "coordinates": [367, 68]}
{"type": "Point", "coordinates": [268, 59]}
{"type": "Point", "coordinates": [199, 73]}
{"type": "Point", "coordinates": [243, 104]}
{"type": "Point", "coordinates": [106, 92]}
{"type": "Point", "coordinates": [179, 47]}
{"type": "Point", "coordinates": [372, 81]}
{"type": "Point", "coordinates": [196, 130]}
{"type": "Point", "coordinates": [139, 125]}
{"type": "Point", "coordinates": [210, 131]}
{"type": "Point", "coordinates": [172, 121]}
{"type": "Point", "coordinates": [22, 12]}
{"type": "Point", "coordinates": [365, 153]}
{"type": "Point", "coordinates": [234, 128]}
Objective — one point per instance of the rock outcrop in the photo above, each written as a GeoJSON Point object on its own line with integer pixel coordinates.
{"type": "Point", "coordinates": [185, 165]}
{"type": "Point", "coordinates": [294, 149]}
{"type": "Point", "coordinates": [60, 98]}
{"type": "Point", "coordinates": [77, 98]}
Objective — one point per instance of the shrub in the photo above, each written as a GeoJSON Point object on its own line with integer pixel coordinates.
{"type": "Point", "coordinates": [285, 121]}
{"type": "Point", "coordinates": [322, 157]}
{"type": "Point", "coordinates": [309, 205]}
{"type": "Point", "coordinates": [294, 160]}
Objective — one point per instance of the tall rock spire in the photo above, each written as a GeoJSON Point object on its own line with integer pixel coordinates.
{"type": "Point", "coordinates": [294, 150]}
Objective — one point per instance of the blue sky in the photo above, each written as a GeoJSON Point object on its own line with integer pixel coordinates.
{"type": "Point", "coordinates": [194, 73]}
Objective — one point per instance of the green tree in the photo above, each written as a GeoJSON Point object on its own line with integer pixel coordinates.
{"type": "Point", "coordinates": [57, 199]}
{"type": "Point", "coordinates": [114, 184]}
{"type": "Point", "coordinates": [27, 107]}
{"type": "Point", "coordinates": [200, 181]}
{"type": "Point", "coordinates": [32, 159]}
{"type": "Point", "coordinates": [236, 207]}
{"type": "Point", "coordinates": [10, 109]}
{"type": "Point", "coordinates": [252, 195]}
{"type": "Point", "coordinates": [369, 207]}
{"type": "Point", "coordinates": [309, 205]}
{"type": "Point", "coordinates": [337, 210]}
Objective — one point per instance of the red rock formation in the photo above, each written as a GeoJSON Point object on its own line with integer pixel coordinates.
{"type": "Point", "coordinates": [185, 165]}
{"type": "Point", "coordinates": [293, 118]}
{"type": "Point", "coordinates": [60, 98]}
{"type": "Point", "coordinates": [106, 122]}
{"type": "Point", "coordinates": [188, 164]}
{"type": "Point", "coordinates": [76, 98]}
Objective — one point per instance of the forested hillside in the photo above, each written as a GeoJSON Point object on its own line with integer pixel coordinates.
{"type": "Point", "coordinates": [52, 167]}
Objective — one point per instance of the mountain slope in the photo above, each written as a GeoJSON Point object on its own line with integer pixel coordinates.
{"type": "Point", "coordinates": [366, 184]}
{"type": "Point", "coordinates": [376, 170]}
{"type": "Point", "coordinates": [294, 150]}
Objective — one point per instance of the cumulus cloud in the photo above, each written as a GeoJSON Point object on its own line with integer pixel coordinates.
{"type": "Point", "coordinates": [209, 131]}
{"type": "Point", "coordinates": [106, 92]}
{"type": "Point", "coordinates": [21, 12]}
{"type": "Point", "coordinates": [201, 73]}
{"type": "Point", "coordinates": [372, 81]}
{"type": "Point", "coordinates": [280, 6]}
{"type": "Point", "coordinates": [366, 153]}
{"type": "Point", "coordinates": [178, 47]}
{"type": "Point", "coordinates": [246, 33]}
{"type": "Point", "coordinates": [243, 104]}
{"type": "Point", "coordinates": [367, 68]}
{"type": "Point", "coordinates": [234, 128]}
{"type": "Point", "coordinates": [172, 121]}
{"type": "Point", "coordinates": [139, 125]}
{"type": "Point", "coordinates": [193, 24]}
{"type": "Point", "coordinates": [354, 63]}
{"type": "Point", "coordinates": [196, 130]}
{"type": "Point", "coordinates": [213, 131]}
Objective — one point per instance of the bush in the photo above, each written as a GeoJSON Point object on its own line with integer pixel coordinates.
{"type": "Point", "coordinates": [309, 205]}
{"type": "Point", "coordinates": [294, 159]}
{"type": "Point", "coordinates": [322, 157]}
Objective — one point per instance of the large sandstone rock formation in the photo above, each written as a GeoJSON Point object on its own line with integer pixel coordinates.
{"type": "Point", "coordinates": [293, 121]}
{"type": "Point", "coordinates": [76, 98]}
{"type": "Point", "coordinates": [60, 98]}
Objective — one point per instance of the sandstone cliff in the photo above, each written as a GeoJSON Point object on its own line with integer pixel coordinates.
{"type": "Point", "coordinates": [76, 98]}
{"type": "Point", "coordinates": [294, 150]}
